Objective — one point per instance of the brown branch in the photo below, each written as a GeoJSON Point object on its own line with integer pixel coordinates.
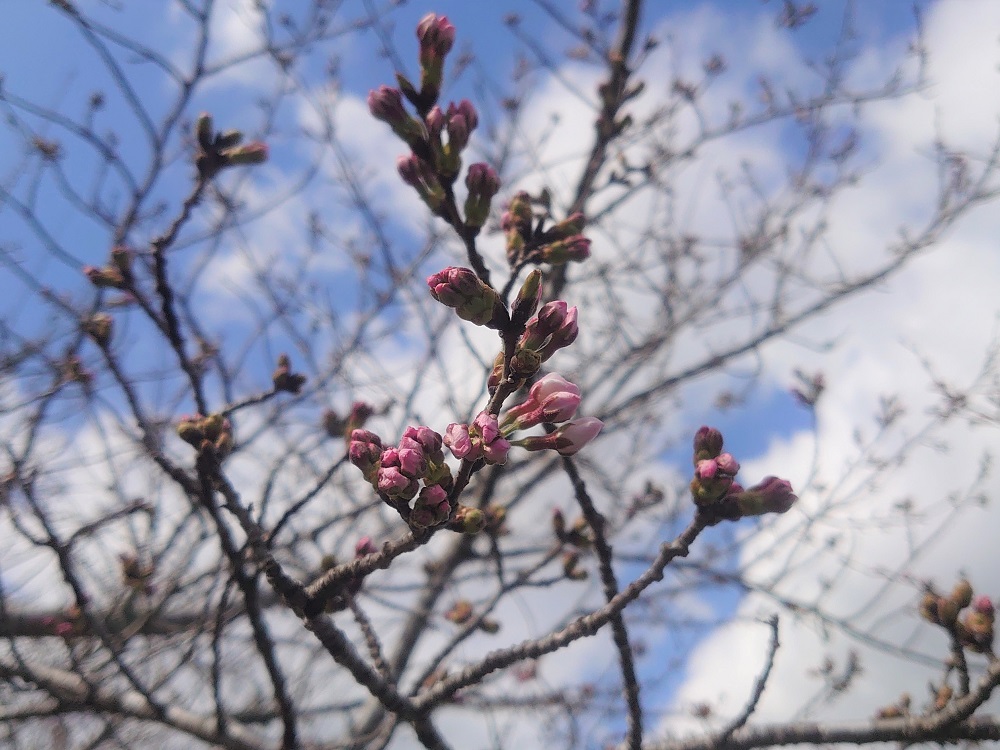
{"type": "Point", "coordinates": [619, 632]}
{"type": "Point", "coordinates": [758, 689]}
{"type": "Point", "coordinates": [72, 689]}
{"type": "Point", "coordinates": [581, 627]}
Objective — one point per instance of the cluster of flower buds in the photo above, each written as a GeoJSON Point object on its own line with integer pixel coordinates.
{"type": "Point", "coordinates": [413, 476]}
{"type": "Point", "coordinates": [286, 380]}
{"type": "Point", "coordinates": [117, 274]}
{"type": "Point", "coordinates": [719, 496]}
{"type": "Point", "coordinates": [225, 149]}
{"type": "Point", "coordinates": [473, 299]}
{"type": "Point", "coordinates": [480, 440]}
{"type": "Point", "coordinates": [211, 433]}
{"type": "Point", "coordinates": [436, 137]}
{"type": "Point", "coordinates": [975, 630]}
{"type": "Point", "coordinates": [552, 329]}
{"type": "Point", "coordinates": [457, 123]}
{"type": "Point", "coordinates": [527, 243]}
{"type": "Point", "coordinates": [552, 400]}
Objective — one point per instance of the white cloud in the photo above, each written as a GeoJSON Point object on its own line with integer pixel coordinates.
{"type": "Point", "coordinates": [942, 308]}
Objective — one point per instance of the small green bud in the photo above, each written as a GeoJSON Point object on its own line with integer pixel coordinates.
{"type": "Point", "coordinates": [528, 299]}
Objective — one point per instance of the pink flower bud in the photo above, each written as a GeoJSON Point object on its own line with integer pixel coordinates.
{"type": "Point", "coordinates": [435, 121]}
{"type": "Point", "coordinates": [706, 469]}
{"type": "Point", "coordinates": [436, 35]}
{"type": "Point", "coordinates": [386, 104]}
{"type": "Point", "coordinates": [472, 299]}
{"type": "Point", "coordinates": [482, 179]}
{"type": "Point", "coordinates": [365, 451]}
{"type": "Point", "coordinates": [365, 546]}
{"type": "Point", "coordinates": [727, 464]}
{"type": "Point", "coordinates": [518, 216]}
{"type": "Point", "coordinates": [566, 440]}
{"type": "Point", "coordinates": [483, 183]}
{"type": "Point", "coordinates": [486, 425]}
{"type": "Point", "coordinates": [563, 337]}
{"type": "Point", "coordinates": [772, 495]}
{"type": "Point", "coordinates": [457, 438]}
{"type": "Point", "coordinates": [461, 121]}
{"type": "Point", "coordinates": [480, 440]}
{"type": "Point", "coordinates": [578, 433]}
{"type": "Point", "coordinates": [707, 443]}
{"type": "Point", "coordinates": [392, 481]}
{"type": "Point", "coordinates": [412, 462]}
{"type": "Point", "coordinates": [430, 508]}
{"type": "Point", "coordinates": [551, 399]}
{"type": "Point", "coordinates": [552, 329]}
{"type": "Point", "coordinates": [420, 175]}
{"type": "Point", "coordinates": [983, 605]}
{"type": "Point", "coordinates": [496, 451]}
{"type": "Point", "coordinates": [425, 436]}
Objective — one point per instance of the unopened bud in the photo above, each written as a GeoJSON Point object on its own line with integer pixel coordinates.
{"type": "Point", "coordinates": [284, 379]}
{"type": "Point", "coordinates": [527, 300]}
{"type": "Point", "coordinates": [468, 520]}
{"type": "Point", "coordinates": [203, 131]}
{"type": "Point", "coordinates": [472, 299]}
{"type": "Point", "coordinates": [483, 183]}
{"type": "Point", "coordinates": [571, 569]}
{"type": "Point", "coordinates": [365, 546]}
{"type": "Point", "coordinates": [947, 611]}
{"type": "Point", "coordinates": [460, 612]}
{"type": "Point", "coordinates": [962, 594]}
{"type": "Point", "coordinates": [228, 139]}
{"type": "Point", "coordinates": [559, 524]}
{"type": "Point", "coordinates": [105, 278]}
{"type": "Point", "coordinates": [571, 225]}
{"type": "Point", "coordinates": [189, 430]}
{"type": "Point", "coordinates": [99, 326]}
{"type": "Point", "coordinates": [525, 363]}
{"type": "Point", "coordinates": [707, 443]}
{"type": "Point", "coordinates": [575, 248]}
{"type": "Point", "coordinates": [252, 153]}
{"type": "Point", "coordinates": [420, 175]}
{"type": "Point", "coordinates": [461, 121]}
{"type": "Point", "coordinates": [489, 625]}
{"type": "Point", "coordinates": [772, 495]}
{"type": "Point", "coordinates": [929, 607]}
